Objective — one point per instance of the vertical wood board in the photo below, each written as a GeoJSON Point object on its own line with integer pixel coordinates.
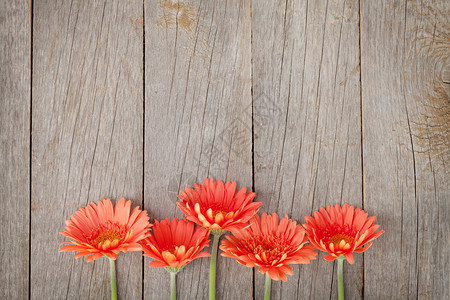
{"type": "Point", "coordinates": [198, 121]}
{"type": "Point", "coordinates": [87, 137]}
{"type": "Point", "coordinates": [306, 116]}
{"type": "Point", "coordinates": [405, 50]}
{"type": "Point", "coordinates": [15, 55]}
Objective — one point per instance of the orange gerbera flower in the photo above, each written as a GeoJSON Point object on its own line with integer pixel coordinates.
{"type": "Point", "coordinates": [341, 231]}
{"type": "Point", "coordinates": [99, 229]}
{"type": "Point", "coordinates": [175, 244]}
{"type": "Point", "coordinates": [270, 245]}
{"type": "Point", "coordinates": [216, 206]}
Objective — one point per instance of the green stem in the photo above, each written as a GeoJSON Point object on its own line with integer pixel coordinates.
{"type": "Point", "coordinates": [267, 287]}
{"type": "Point", "coordinates": [112, 268]}
{"type": "Point", "coordinates": [212, 267]}
{"type": "Point", "coordinates": [173, 285]}
{"type": "Point", "coordinates": [340, 278]}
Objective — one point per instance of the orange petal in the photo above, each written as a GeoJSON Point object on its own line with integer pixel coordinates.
{"type": "Point", "coordinates": [329, 257]}
{"type": "Point", "coordinates": [219, 218]}
{"type": "Point", "coordinates": [362, 249]}
{"type": "Point", "coordinates": [168, 257]}
{"type": "Point", "coordinates": [331, 247]}
{"type": "Point", "coordinates": [94, 257]}
{"type": "Point", "coordinates": [349, 257]}
{"type": "Point", "coordinates": [206, 224]}
{"type": "Point", "coordinates": [181, 251]}
{"type": "Point", "coordinates": [209, 213]}
{"type": "Point", "coordinates": [157, 264]}
{"type": "Point", "coordinates": [273, 274]}
{"type": "Point", "coordinates": [197, 208]}
{"type": "Point", "coordinates": [106, 245]}
{"type": "Point", "coordinates": [214, 226]}
{"type": "Point", "coordinates": [229, 215]}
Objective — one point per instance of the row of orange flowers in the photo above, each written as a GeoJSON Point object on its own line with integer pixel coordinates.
{"type": "Point", "coordinates": [265, 242]}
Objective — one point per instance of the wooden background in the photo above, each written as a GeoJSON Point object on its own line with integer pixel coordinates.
{"type": "Point", "coordinates": [308, 103]}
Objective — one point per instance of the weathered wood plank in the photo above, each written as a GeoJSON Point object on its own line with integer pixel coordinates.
{"type": "Point", "coordinates": [15, 55]}
{"type": "Point", "coordinates": [307, 124]}
{"type": "Point", "coordinates": [197, 121]}
{"type": "Point", "coordinates": [405, 46]}
{"type": "Point", "coordinates": [87, 136]}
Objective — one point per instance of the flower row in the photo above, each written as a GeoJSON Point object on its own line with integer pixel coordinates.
{"type": "Point", "coordinates": [266, 242]}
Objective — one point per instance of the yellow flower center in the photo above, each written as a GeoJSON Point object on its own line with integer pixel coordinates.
{"type": "Point", "coordinates": [170, 249]}
{"type": "Point", "coordinates": [110, 235]}
{"type": "Point", "coordinates": [216, 212]}
{"type": "Point", "coordinates": [337, 238]}
{"type": "Point", "coordinates": [268, 250]}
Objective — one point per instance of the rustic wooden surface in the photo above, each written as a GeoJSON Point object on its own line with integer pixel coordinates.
{"type": "Point", "coordinates": [198, 113]}
{"type": "Point", "coordinates": [87, 137]}
{"type": "Point", "coordinates": [309, 103]}
{"type": "Point", "coordinates": [307, 124]}
{"type": "Point", "coordinates": [15, 100]}
{"type": "Point", "coordinates": [406, 146]}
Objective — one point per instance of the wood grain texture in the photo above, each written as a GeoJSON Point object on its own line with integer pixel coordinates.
{"type": "Point", "coordinates": [406, 147]}
{"type": "Point", "coordinates": [306, 116]}
{"type": "Point", "coordinates": [265, 92]}
{"type": "Point", "coordinates": [197, 121]}
{"type": "Point", "coordinates": [87, 136]}
{"type": "Point", "coordinates": [15, 55]}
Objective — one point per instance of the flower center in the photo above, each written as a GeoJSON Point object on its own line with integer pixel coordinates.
{"type": "Point", "coordinates": [170, 249]}
{"type": "Point", "coordinates": [110, 235]}
{"type": "Point", "coordinates": [108, 231]}
{"type": "Point", "coordinates": [217, 211]}
{"type": "Point", "coordinates": [270, 248]}
{"type": "Point", "coordinates": [217, 208]}
{"type": "Point", "coordinates": [337, 238]}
